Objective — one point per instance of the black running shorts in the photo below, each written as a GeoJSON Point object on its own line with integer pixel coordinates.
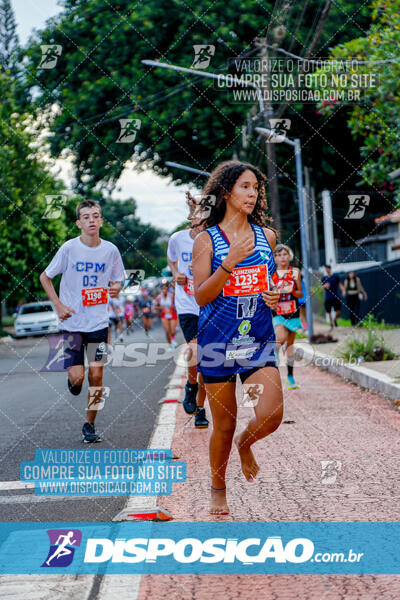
{"type": "Point", "coordinates": [189, 325]}
{"type": "Point", "coordinates": [75, 343]}
{"type": "Point", "coordinates": [243, 375]}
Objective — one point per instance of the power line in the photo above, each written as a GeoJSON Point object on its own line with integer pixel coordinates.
{"type": "Point", "coordinates": [313, 61]}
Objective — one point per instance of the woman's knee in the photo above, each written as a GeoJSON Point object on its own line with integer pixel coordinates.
{"type": "Point", "coordinates": [270, 423]}
{"type": "Point", "coordinates": [225, 426]}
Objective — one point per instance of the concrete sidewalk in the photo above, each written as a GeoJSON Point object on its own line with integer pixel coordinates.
{"type": "Point", "coordinates": [381, 376]}
{"type": "Point", "coordinates": [328, 420]}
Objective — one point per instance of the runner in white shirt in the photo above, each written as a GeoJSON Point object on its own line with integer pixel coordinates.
{"type": "Point", "coordinates": [117, 315]}
{"type": "Point", "coordinates": [92, 270]}
{"type": "Point", "coordinates": [179, 257]}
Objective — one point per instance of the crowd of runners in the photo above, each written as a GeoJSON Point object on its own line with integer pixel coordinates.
{"type": "Point", "coordinates": [126, 312]}
{"type": "Point", "coordinates": [233, 293]}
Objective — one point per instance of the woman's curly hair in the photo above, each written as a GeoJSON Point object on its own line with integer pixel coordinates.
{"type": "Point", "coordinates": [221, 182]}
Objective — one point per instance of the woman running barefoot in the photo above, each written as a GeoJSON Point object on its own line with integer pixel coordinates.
{"type": "Point", "coordinates": [287, 320]}
{"type": "Point", "coordinates": [232, 263]}
{"type": "Point", "coordinates": [166, 305]}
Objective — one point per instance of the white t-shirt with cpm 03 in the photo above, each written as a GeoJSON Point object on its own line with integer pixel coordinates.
{"type": "Point", "coordinates": [84, 267]}
{"type": "Point", "coordinates": [180, 247]}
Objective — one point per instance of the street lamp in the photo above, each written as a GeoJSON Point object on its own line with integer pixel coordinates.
{"type": "Point", "coordinates": [303, 237]}
{"type": "Point", "coordinates": [231, 78]}
{"type": "Point", "coordinates": [185, 168]}
{"type": "Point", "coordinates": [394, 174]}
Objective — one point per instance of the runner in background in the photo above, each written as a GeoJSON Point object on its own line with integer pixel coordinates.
{"type": "Point", "coordinates": [92, 271]}
{"type": "Point", "coordinates": [354, 292]}
{"type": "Point", "coordinates": [232, 264]}
{"type": "Point", "coordinates": [286, 313]}
{"type": "Point", "coordinates": [145, 304]}
{"type": "Point", "coordinates": [129, 312]}
{"type": "Point", "coordinates": [331, 283]}
{"type": "Point", "coordinates": [179, 257]}
{"type": "Point", "coordinates": [117, 316]}
{"type": "Point", "coordinates": [165, 307]}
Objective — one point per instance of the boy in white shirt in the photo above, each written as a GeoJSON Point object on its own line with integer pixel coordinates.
{"type": "Point", "coordinates": [179, 255]}
{"type": "Point", "coordinates": [92, 271]}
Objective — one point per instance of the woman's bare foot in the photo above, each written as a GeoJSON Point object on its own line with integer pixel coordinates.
{"type": "Point", "coordinates": [250, 467]}
{"type": "Point", "coordinates": [218, 504]}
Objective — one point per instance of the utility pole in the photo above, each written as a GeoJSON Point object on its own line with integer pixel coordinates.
{"type": "Point", "coordinates": [315, 258]}
{"type": "Point", "coordinates": [272, 172]}
{"type": "Point", "coordinates": [308, 212]}
{"type": "Point", "coordinates": [330, 250]}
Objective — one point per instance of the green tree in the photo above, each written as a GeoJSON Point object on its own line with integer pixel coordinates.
{"type": "Point", "coordinates": [138, 242]}
{"type": "Point", "coordinates": [99, 78]}
{"type": "Point", "coordinates": [374, 120]}
{"type": "Point", "coordinates": [8, 38]}
{"type": "Point", "coordinates": [28, 239]}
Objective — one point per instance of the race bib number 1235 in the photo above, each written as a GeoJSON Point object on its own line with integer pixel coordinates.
{"type": "Point", "coordinates": [246, 281]}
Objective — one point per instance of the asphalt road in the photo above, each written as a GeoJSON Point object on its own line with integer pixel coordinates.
{"type": "Point", "coordinates": [37, 411]}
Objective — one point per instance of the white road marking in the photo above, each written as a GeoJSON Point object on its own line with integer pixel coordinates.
{"type": "Point", "coordinates": [16, 485]}
{"type": "Point", "coordinates": [113, 586]}
{"type": "Point", "coordinates": [31, 498]}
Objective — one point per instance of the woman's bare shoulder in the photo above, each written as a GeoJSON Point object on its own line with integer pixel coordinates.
{"type": "Point", "coordinates": [203, 240]}
{"type": "Point", "coordinates": [271, 237]}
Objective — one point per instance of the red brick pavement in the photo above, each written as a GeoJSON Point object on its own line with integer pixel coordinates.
{"type": "Point", "coordinates": [333, 420]}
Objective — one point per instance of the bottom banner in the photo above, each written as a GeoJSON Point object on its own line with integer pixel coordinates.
{"type": "Point", "coordinates": [199, 548]}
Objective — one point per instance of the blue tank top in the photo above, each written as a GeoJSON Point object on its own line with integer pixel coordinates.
{"type": "Point", "coordinates": [235, 333]}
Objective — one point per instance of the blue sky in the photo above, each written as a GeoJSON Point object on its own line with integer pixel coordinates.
{"type": "Point", "coordinates": [158, 203]}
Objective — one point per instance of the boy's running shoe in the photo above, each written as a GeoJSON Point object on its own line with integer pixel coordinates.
{"type": "Point", "coordinates": [200, 419]}
{"type": "Point", "coordinates": [189, 402]}
{"type": "Point", "coordinates": [89, 434]}
{"type": "Point", "coordinates": [292, 385]}
{"type": "Point", "coordinates": [74, 389]}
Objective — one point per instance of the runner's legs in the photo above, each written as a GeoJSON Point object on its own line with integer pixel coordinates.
{"type": "Point", "coordinates": [291, 336]}
{"type": "Point", "coordinates": [222, 401]}
{"type": "Point", "coordinates": [95, 380]}
{"type": "Point", "coordinates": [173, 325]}
{"type": "Point", "coordinates": [76, 375]}
{"type": "Point", "coordinates": [167, 329]}
{"type": "Point", "coordinates": [268, 414]}
{"type": "Point", "coordinates": [281, 335]}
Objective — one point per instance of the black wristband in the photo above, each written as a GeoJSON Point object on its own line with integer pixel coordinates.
{"type": "Point", "coordinates": [226, 270]}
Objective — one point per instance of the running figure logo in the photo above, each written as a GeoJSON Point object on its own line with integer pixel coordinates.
{"type": "Point", "coordinates": [251, 393]}
{"type": "Point", "coordinates": [62, 347]}
{"type": "Point", "coordinates": [63, 543]}
{"type": "Point", "coordinates": [330, 470]}
{"type": "Point", "coordinates": [202, 205]}
{"type": "Point", "coordinates": [54, 206]}
{"type": "Point", "coordinates": [97, 397]}
{"type": "Point", "coordinates": [50, 56]}
{"type": "Point", "coordinates": [357, 206]}
{"type": "Point", "coordinates": [129, 129]}
{"type": "Point", "coordinates": [134, 278]}
{"type": "Point", "coordinates": [202, 55]}
{"type": "Point", "coordinates": [279, 129]}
